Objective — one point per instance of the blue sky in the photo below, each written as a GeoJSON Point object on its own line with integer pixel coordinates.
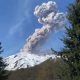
{"type": "Point", "coordinates": [17, 22]}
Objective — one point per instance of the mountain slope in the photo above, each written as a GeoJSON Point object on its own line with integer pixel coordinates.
{"type": "Point", "coordinates": [48, 70]}
{"type": "Point", "coordinates": [25, 60]}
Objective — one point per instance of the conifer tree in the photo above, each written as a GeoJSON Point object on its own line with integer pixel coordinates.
{"type": "Point", "coordinates": [3, 72]}
{"type": "Point", "coordinates": [71, 51]}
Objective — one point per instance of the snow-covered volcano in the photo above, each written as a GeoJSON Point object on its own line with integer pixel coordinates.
{"type": "Point", "coordinates": [19, 60]}
{"type": "Point", "coordinates": [52, 20]}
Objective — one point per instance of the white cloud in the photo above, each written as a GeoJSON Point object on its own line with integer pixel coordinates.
{"type": "Point", "coordinates": [24, 14]}
{"type": "Point", "coordinates": [15, 28]}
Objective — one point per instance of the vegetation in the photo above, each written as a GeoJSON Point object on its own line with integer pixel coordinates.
{"type": "Point", "coordinates": [65, 68]}
{"type": "Point", "coordinates": [71, 52]}
{"type": "Point", "coordinates": [48, 70]}
{"type": "Point", "coordinates": [3, 73]}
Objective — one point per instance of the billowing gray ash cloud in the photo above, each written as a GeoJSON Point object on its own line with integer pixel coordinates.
{"type": "Point", "coordinates": [51, 19]}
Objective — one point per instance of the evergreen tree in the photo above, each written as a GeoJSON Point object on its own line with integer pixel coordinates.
{"type": "Point", "coordinates": [71, 51]}
{"type": "Point", "coordinates": [3, 73]}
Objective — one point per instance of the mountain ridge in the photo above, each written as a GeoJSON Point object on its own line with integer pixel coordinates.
{"type": "Point", "coordinates": [25, 60]}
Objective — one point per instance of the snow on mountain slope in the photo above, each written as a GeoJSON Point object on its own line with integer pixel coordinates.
{"type": "Point", "coordinates": [24, 61]}
{"type": "Point", "coordinates": [52, 20]}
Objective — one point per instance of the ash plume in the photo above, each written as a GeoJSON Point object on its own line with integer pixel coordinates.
{"type": "Point", "coordinates": [51, 19]}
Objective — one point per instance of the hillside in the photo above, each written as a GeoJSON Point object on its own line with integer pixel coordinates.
{"type": "Point", "coordinates": [48, 70]}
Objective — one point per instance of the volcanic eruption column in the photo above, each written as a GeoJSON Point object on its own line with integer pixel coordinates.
{"type": "Point", "coordinates": [51, 19]}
